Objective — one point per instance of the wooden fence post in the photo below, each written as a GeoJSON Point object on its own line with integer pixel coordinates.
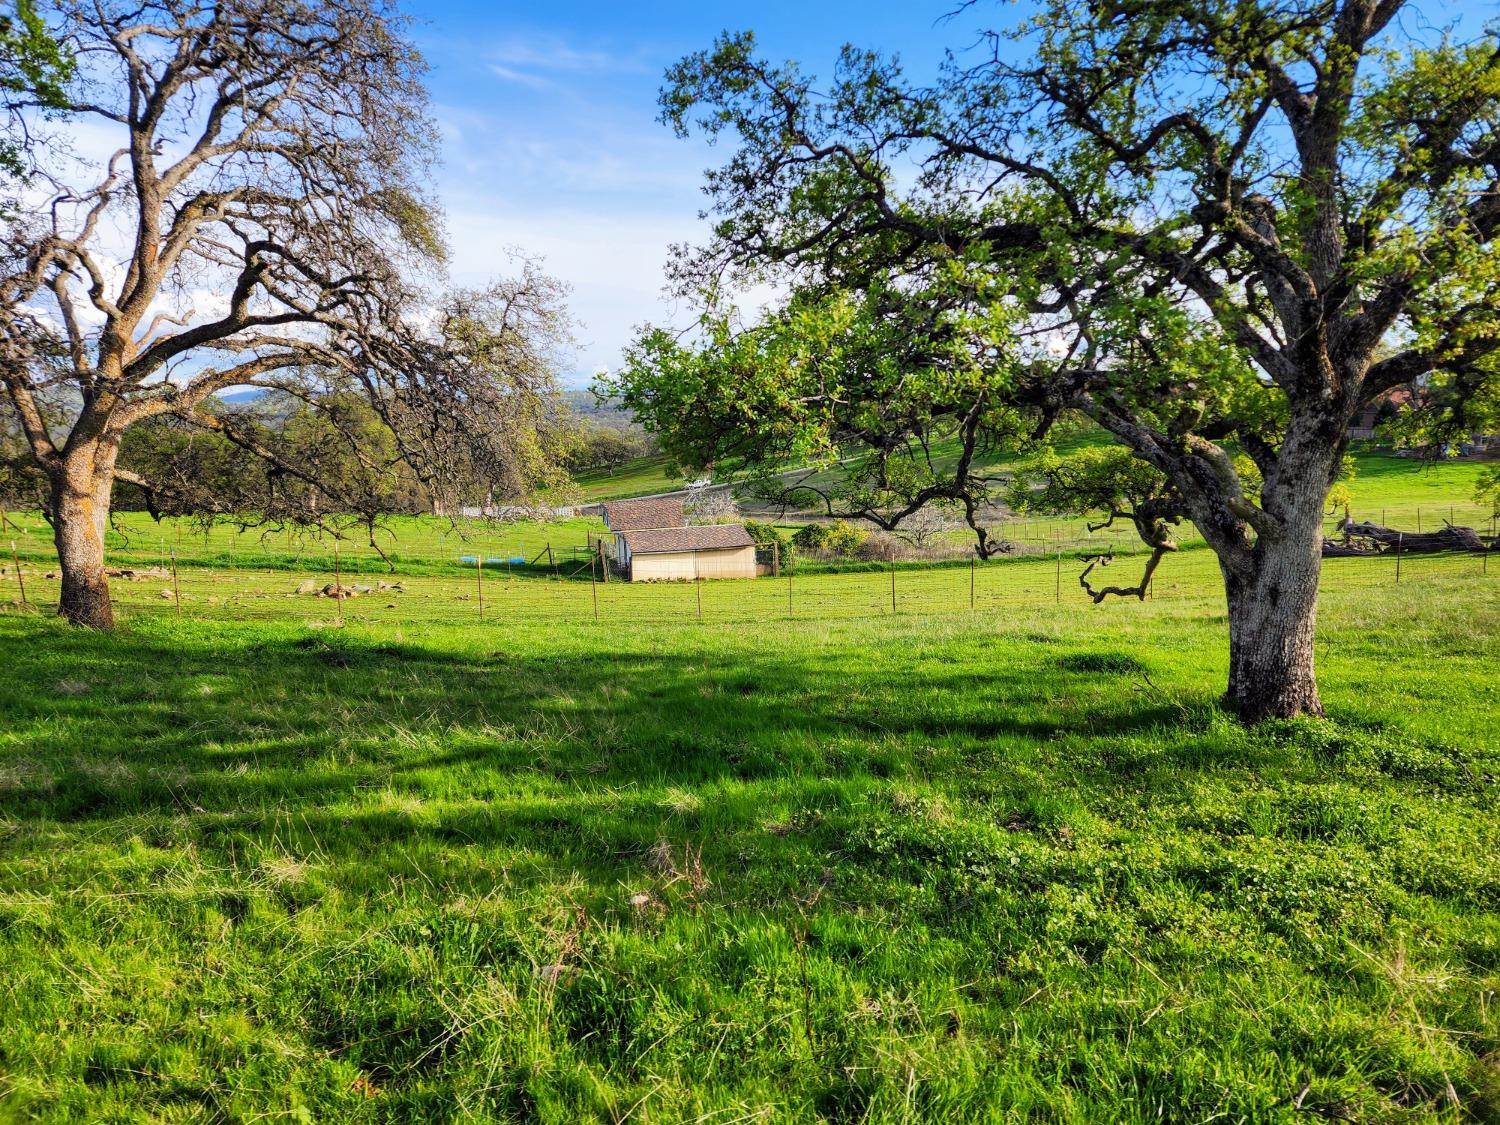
{"type": "Point", "coordinates": [776, 559]}
{"type": "Point", "coordinates": [16, 562]}
{"type": "Point", "coordinates": [338, 581]}
{"type": "Point", "coordinates": [594, 582]}
{"type": "Point", "coordinates": [552, 559]}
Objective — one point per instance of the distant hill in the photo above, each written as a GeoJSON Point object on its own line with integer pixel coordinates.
{"type": "Point", "coordinates": [239, 395]}
{"type": "Point", "coordinates": [608, 413]}
{"type": "Point", "coordinates": [584, 402]}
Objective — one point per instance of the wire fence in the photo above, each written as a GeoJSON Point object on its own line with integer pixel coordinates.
{"type": "Point", "coordinates": [571, 592]}
{"type": "Point", "coordinates": [434, 545]}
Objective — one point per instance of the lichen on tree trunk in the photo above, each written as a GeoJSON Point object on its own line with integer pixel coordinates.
{"type": "Point", "coordinates": [81, 493]}
{"type": "Point", "coordinates": [1273, 607]}
{"type": "Point", "coordinates": [1272, 619]}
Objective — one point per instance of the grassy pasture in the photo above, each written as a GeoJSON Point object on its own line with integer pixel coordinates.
{"type": "Point", "coordinates": [415, 598]}
{"type": "Point", "coordinates": [951, 860]}
{"type": "Point", "coordinates": [639, 477]}
{"type": "Point", "coordinates": [413, 544]}
{"type": "Point", "coordinates": [1400, 490]}
{"type": "Point", "coordinates": [933, 865]}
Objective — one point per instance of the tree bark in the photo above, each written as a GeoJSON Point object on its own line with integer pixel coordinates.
{"type": "Point", "coordinates": [1273, 610]}
{"type": "Point", "coordinates": [81, 492]}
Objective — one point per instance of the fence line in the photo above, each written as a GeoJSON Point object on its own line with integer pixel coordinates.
{"type": "Point", "coordinates": [442, 578]}
{"type": "Point", "coordinates": [428, 543]}
{"type": "Point", "coordinates": [1006, 587]}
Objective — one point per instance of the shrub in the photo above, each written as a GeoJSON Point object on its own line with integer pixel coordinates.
{"type": "Point", "coordinates": [876, 547]}
{"type": "Point", "coordinates": [811, 537]}
{"type": "Point", "coordinates": [838, 539]}
{"type": "Point", "coordinates": [767, 534]}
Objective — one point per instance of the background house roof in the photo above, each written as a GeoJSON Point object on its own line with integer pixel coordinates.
{"type": "Point", "coordinates": [712, 537]}
{"type": "Point", "coordinates": [638, 515]}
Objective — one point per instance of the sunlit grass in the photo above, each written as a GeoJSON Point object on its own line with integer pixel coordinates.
{"type": "Point", "coordinates": [938, 864]}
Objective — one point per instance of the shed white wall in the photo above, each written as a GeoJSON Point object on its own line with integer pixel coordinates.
{"type": "Point", "coordinates": [684, 566]}
{"type": "Point", "coordinates": [732, 562]}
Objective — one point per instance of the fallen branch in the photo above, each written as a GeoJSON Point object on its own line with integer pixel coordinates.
{"type": "Point", "coordinates": [1363, 539]}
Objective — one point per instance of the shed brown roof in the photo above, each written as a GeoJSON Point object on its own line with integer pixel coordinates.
{"type": "Point", "coordinates": [639, 515]}
{"type": "Point", "coordinates": [666, 540]}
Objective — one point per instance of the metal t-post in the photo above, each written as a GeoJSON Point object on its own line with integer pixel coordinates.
{"type": "Point", "coordinates": [20, 580]}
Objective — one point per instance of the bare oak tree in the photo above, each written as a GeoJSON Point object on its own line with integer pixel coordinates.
{"type": "Point", "coordinates": [260, 223]}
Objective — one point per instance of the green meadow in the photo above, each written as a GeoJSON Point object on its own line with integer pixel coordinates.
{"type": "Point", "coordinates": [639, 477]}
{"type": "Point", "coordinates": [937, 864]}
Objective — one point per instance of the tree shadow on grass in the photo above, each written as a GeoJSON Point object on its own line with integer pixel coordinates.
{"type": "Point", "coordinates": [231, 724]}
{"type": "Point", "coordinates": [377, 851]}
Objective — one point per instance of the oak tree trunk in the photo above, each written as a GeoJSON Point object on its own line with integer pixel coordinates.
{"type": "Point", "coordinates": [1272, 617]}
{"type": "Point", "coordinates": [81, 491]}
{"type": "Point", "coordinates": [1273, 610]}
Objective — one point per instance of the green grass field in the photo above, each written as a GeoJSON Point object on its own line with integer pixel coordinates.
{"type": "Point", "coordinates": [639, 477]}
{"type": "Point", "coordinates": [764, 851]}
{"type": "Point", "coordinates": [941, 864]}
{"type": "Point", "coordinates": [1401, 490]}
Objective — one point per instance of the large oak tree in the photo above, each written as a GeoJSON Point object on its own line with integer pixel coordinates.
{"type": "Point", "coordinates": [1234, 222]}
{"type": "Point", "coordinates": [261, 221]}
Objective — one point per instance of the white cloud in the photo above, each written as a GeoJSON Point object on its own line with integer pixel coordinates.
{"type": "Point", "coordinates": [579, 150]}
{"type": "Point", "coordinates": [521, 78]}
{"type": "Point", "coordinates": [552, 52]}
{"type": "Point", "coordinates": [613, 262]}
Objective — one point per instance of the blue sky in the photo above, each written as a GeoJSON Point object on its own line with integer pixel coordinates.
{"type": "Point", "coordinates": [551, 144]}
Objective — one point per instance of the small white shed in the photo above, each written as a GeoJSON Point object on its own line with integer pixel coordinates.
{"type": "Point", "coordinates": [682, 554]}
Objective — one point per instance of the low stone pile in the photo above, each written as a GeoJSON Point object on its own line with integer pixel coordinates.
{"type": "Point", "coordinates": [311, 588]}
